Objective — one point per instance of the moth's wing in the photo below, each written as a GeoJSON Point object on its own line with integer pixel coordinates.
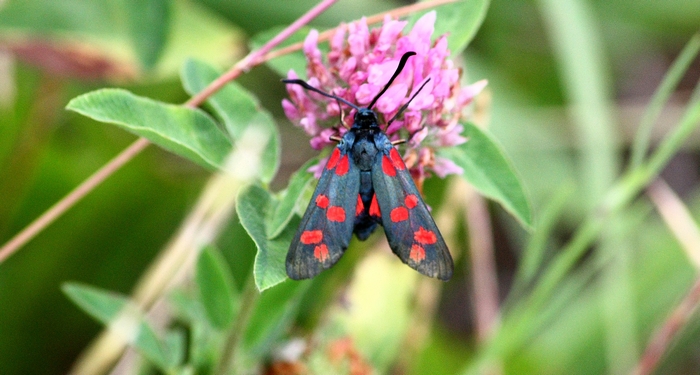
{"type": "Point", "coordinates": [409, 227]}
{"type": "Point", "coordinates": [327, 225]}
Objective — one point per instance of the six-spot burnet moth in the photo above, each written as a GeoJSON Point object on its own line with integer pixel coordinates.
{"type": "Point", "coordinates": [364, 183]}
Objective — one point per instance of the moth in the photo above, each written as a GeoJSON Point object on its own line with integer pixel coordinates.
{"type": "Point", "coordinates": [365, 183]}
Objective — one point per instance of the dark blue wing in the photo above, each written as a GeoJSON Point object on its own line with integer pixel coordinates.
{"type": "Point", "coordinates": [326, 228]}
{"type": "Point", "coordinates": [409, 227]}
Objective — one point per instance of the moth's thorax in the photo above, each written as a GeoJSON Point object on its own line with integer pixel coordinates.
{"type": "Point", "coordinates": [363, 148]}
{"type": "Point", "coordinates": [366, 138]}
{"type": "Point", "coordinates": [365, 118]}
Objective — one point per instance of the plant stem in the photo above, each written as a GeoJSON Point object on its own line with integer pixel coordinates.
{"type": "Point", "coordinates": [258, 56]}
{"type": "Point", "coordinates": [661, 96]}
{"type": "Point", "coordinates": [227, 363]}
{"type": "Point", "coordinates": [617, 198]}
{"type": "Point", "coordinates": [395, 13]}
{"type": "Point", "coordinates": [59, 208]}
{"type": "Point", "coordinates": [483, 267]}
{"type": "Point", "coordinates": [662, 339]}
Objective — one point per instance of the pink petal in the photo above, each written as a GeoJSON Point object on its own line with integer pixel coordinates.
{"type": "Point", "coordinates": [451, 136]}
{"type": "Point", "coordinates": [394, 127]}
{"type": "Point", "coordinates": [412, 121]}
{"type": "Point", "coordinates": [323, 139]}
{"type": "Point", "coordinates": [438, 54]}
{"type": "Point", "coordinates": [443, 167]}
{"type": "Point", "coordinates": [309, 125]}
{"type": "Point", "coordinates": [365, 93]}
{"type": "Point", "coordinates": [445, 80]}
{"type": "Point", "coordinates": [311, 46]}
{"type": "Point", "coordinates": [390, 31]}
{"type": "Point", "coordinates": [290, 110]}
{"type": "Point", "coordinates": [421, 33]}
{"type": "Point", "coordinates": [348, 68]}
{"type": "Point", "coordinates": [318, 168]}
{"type": "Point", "coordinates": [291, 74]}
{"type": "Point", "coordinates": [418, 137]}
{"type": "Point", "coordinates": [379, 74]}
{"type": "Point", "coordinates": [391, 99]}
{"type": "Point", "coordinates": [425, 98]}
{"type": "Point", "coordinates": [467, 94]}
{"type": "Point", "coordinates": [358, 40]}
{"type": "Point", "coordinates": [338, 40]}
{"type": "Point", "coordinates": [357, 78]}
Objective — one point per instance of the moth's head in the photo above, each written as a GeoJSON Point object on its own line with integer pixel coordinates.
{"type": "Point", "coordinates": [365, 118]}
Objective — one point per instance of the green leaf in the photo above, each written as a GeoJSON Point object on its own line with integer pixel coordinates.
{"type": "Point", "coordinates": [460, 21]}
{"type": "Point", "coordinates": [175, 344]}
{"type": "Point", "coordinates": [488, 169]}
{"type": "Point", "coordinates": [292, 61]}
{"type": "Point", "coordinates": [187, 132]}
{"type": "Point", "coordinates": [290, 199]}
{"type": "Point", "coordinates": [122, 317]}
{"type": "Point", "coordinates": [149, 23]}
{"type": "Point", "coordinates": [204, 340]}
{"type": "Point", "coordinates": [270, 318]}
{"type": "Point", "coordinates": [269, 269]}
{"type": "Point", "coordinates": [216, 289]}
{"type": "Point", "coordinates": [190, 29]}
{"type": "Point", "coordinates": [237, 108]}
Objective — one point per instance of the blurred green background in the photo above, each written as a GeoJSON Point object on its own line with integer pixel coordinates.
{"type": "Point", "coordinates": [51, 51]}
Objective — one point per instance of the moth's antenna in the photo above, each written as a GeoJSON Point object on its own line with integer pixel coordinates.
{"type": "Point", "coordinates": [305, 85]}
{"type": "Point", "coordinates": [402, 63]}
{"type": "Point", "coordinates": [403, 107]}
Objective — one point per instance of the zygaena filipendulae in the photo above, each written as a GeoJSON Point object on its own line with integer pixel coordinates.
{"type": "Point", "coordinates": [364, 183]}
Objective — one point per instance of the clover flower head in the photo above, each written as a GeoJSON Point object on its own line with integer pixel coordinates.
{"type": "Point", "coordinates": [359, 64]}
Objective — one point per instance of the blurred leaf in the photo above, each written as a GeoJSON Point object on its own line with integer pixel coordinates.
{"type": "Point", "coordinates": [289, 199]}
{"type": "Point", "coordinates": [175, 347]}
{"type": "Point", "coordinates": [253, 206]}
{"type": "Point", "coordinates": [122, 317]}
{"type": "Point", "coordinates": [149, 23]}
{"type": "Point", "coordinates": [102, 35]}
{"type": "Point", "coordinates": [204, 340]}
{"type": "Point", "coordinates": [533, 256]}
{"type": "Point", "coordinates": [667, 87]}
{"type": "Point", "coordinates": [237, 108]}
{"type": "Point", "coordinates": [460, 21]}
{"type": "Point", "coordinates": [100, 304]}
{"type": "Point", "coordinates": [59, 16]}
{"type": "Point", "coordinates": [292, 61]}
{"type": "Point", "coordinates": [216, 290]}
{"type": "Point", "coordinates": [271, 316]}
{"type": "Point", "coordinates": [381, 295]}
{"type": "Point", "coordinates": [577, 43]}
{"type": "Point", "coordinates": [488, 169]}
{"type": "Point", "coordinates": [187, 132]}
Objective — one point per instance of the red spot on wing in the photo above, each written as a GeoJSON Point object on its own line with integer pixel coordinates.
{"type": "Point", "coordinates": [311, 236]}
{"type": "Point", "coordinates": [417, 253]}
{"type": "Point", "coordinates": [424, 236]}
{"type": "Point", "coordinates": [388, 169]}
{"type": "Point", "coordinates": [336, 213]}
{"type": "Point", "coordinates": [360, 206]}
{"type": "Point", "coordinates": [322, 201]}
{"type": "Point", "coordinates": [343, 166]}
{"type": "Point", "coordinates": [333, 160]}
{"type": "Point", "coordinates": [411, 201]}
{"type": "Point", "coordinates": [396, 159]}
{"type": "Point", "coordinates": [399, 214]}
{"type": "Point", "coordinates": [374, 207]}
{"type": "Point", "coordinates": [321, 252]}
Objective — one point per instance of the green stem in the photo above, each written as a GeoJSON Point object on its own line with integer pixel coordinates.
{"type": "Point", "coordinates": [661, 96]}
{"type": "Point", "coordinates": [617, 198]}
{"type": "Point", "coordinates": [228, 364]}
